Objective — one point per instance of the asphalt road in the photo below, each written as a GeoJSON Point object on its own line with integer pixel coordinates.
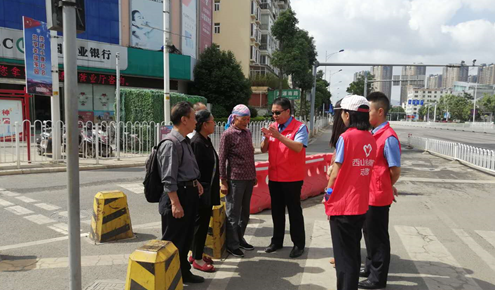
{"type": "Point", "coordinates": [442, 233]}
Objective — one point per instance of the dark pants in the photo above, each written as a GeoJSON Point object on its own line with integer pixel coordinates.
{"type": "Point", "coordinates": [238, 203]}
{"type": "Point", "coordinates": [201, 227]}
{"type": "Point", "coordinates": [180, 231]}
{"type": "Point", "coordinates": [346, 238]}
{"type": "Point", "coordinates": [287, 194]}
{"type": "Point", "coordinates": [377, 244]}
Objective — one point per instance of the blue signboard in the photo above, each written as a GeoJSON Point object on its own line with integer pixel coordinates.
{"type": "Point", "coordinates": [409, 101]}
{"type": "Point", "coordinates": [37, 57]}
{"type": "Point", "coordinates": [422, 102]}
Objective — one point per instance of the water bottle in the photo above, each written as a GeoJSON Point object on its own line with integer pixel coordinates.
{"type": "Point", "coordinates": [328, 193]}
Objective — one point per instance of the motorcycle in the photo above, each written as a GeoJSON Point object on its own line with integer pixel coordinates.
{"type": "Point", "coordinates": [44, 141]}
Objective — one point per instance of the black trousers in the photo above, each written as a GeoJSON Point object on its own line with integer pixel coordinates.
{"type": "Point", "coordinates": [202, 224]}
{"type": "Point", "coordinates": [377, 244]}
{"type": "Point", "coordinates": [180, 231]}
{"type": "Point", "coordinates": [287, 194]}
{"type": "Point", "coordinates": [346, 239]}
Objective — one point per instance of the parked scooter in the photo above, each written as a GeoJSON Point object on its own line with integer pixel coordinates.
{"type": "Point", "coordinates": [44, 141]}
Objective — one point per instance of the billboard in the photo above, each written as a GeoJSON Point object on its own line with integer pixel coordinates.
{"type": "Point", "coordinates": [205, 24]}
{"type": "Point", "coordinates": [10, 112]}
{"type": "Point", "coordinates": [37, 57]}
{"type": "Point", "coordinates": [189, 28]}
{"type": "Point", "coordinates": [147, 24]}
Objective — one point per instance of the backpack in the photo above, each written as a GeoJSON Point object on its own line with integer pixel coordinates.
{"type": "Point", "coordinates": [153, 187]}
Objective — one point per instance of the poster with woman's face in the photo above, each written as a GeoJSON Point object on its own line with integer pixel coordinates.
{"type": "Point", "coordinates": [147, 24]}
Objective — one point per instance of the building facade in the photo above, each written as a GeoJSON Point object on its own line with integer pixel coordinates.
{"type": "Point", "coordinates": [486, 74]}
{"type": "Point", "coordinates": [417, 98]}
{"type": "Point", "coordinates": [358, 74]}
{"type": "Point", "coordinates": [454, 74]}
{"type": "Point", "coordinates": [434, 82]}
{"type": "Point", "coordinates": [382, 73]}
{"type": "Point", "coordinates": [412, 76]}
{"type": "Point", "coordinates": [470, 88]}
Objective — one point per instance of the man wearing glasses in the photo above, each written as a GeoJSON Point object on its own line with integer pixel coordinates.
{"type": "Point", "coordinates": [285, 141]}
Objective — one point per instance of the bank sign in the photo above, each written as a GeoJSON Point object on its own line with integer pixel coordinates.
{"type": "Point", "coordinates": [89, 53]}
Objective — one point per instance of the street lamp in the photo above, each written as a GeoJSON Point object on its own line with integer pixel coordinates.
{"type": "Point", "coordinates": [328, 55]}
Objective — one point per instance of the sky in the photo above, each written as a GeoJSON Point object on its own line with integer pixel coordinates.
{"type": "Point", "coordinates": [397, 31]}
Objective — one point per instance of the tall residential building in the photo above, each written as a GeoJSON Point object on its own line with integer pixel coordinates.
{"type": "Point", "coordinates": [486, 74]}
{"type": "Point", "coordinates": [244, 27]}
{"type": "Point", "coordinates": [454, 74]}
{"type": "Point", "coordinates": [382, 73]}
{"type": "Point", "coordinates": [434, 82]}
{"type": "Point", "coordinates": [412, 76]}
{"type": "Point", "coordinates": [416, 98]}
{"type": "Point", "coordinates": [472, 79]}
{"type": "Point", "coordinates": [360, 73]}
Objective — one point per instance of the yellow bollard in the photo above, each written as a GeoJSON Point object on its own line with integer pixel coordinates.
{"type": "Point", "coordinates": [111, 220]}
{"type": "Point", "coordinates": [215, 245]}
{"type": "Point", "coordinates": [154, 266]}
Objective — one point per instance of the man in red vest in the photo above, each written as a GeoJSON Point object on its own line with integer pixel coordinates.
{"type": "Point", "coordinates": [285, 141]}
{"type": "Point", "coordinates": [385, 174]}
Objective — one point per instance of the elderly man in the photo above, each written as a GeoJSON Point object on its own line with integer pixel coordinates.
{"type": "Point", "coordinates": [238, 176]}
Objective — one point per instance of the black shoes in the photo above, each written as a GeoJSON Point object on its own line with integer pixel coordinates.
{"type": "Point", "coordinates": [272, 248]}
{"type": "Point", "coordinates": [245, 246]}
{"type": "Point", "coordinates": [236, 253]}
{"type": "Point", "coordinates": [363, 273]}
{"type": "Point", "coordinates": [296, 252]}
{"type": "Point", "coordinates": [366, 284]}
{"type": "Point", "coordinates": [191, 278]}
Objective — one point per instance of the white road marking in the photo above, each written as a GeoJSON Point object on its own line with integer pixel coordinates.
{"type": "Point", "coordinates": [60, 228]}
{"type": "Point", "coordinates": [39, 219]}
{"type": "Point", "coordinates": [26, 199]}
{"type": "Point", "coordinates": [319, 253]}
{"type": "Point", "coordinates": [148, 225]}
{"type": "Point", "coordinates": [62, 262]}
{"type": "Point", "coordinates": [434, 180]}
{"type": "Point", "coordinates": [47, 206]}
{"type": "Point", "coordinates": [431, 256]}
{"type": "Point", "coordinates": [475, 247]}
{"type": "Point", "coordinates": [36, 243]}
{"type": "Point", "coordinates": [489, 236]}
{"type": "Point", "coordinates": [137, 188]}
{"type": "Point", "coordinates": [19, 210]}
{"type": "Point", "coordinates": [5, 203]}
{"type": "Point", "coordinates": [9, 193]}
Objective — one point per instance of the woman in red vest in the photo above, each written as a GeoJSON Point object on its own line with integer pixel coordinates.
{"type": "Point", "coordinates": [350, 180]}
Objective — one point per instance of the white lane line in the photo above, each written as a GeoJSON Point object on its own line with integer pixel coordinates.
{"type": "Point", "coordinates": [148, 225]}
{"type": "Point", "coordinates": [430, 256]}
{"type": "Point", "coordinates": [36, 243]}
{"type": "Point", "coordinates": [40, 219]}
{"type": "Point", "coordinates": [47, 206]}
{"type": "Point", "coordinates": [475, 247]}
{"type": "Point", "coordinates": [60, 228]}
{"type": "Point", "coordinates": [9, 193]}
{"type": "Point", "coordinates": [5, 203]}
{"type": "Point", "coordinates": [62, 262]}
{"type": "Point", "coordinates": [434, 180]}
{"type": "Point", "coordinates": [227, 270]}
{"type": "Point", "coordinates": [489, 236]}
{"type": "Point", "coordinates": [19, 210]}
{"type": "Point", "coordinates": [319, 252]}
{"type": "Point", "coordinates": [137, 188]}
{"type": "Point", "coordinates": [26, 199]}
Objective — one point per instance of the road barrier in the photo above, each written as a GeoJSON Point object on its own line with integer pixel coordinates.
{"type": "Point", "coordinates": [216, 245]}
{"type": "Point", "coordinates": [481, 127]}
{"type": "Point", "coordinates": [111, 219]}
{"type": "Point", "coordinates": [154, 266]}
{"type": "Point", "coordinates": [314, 183]}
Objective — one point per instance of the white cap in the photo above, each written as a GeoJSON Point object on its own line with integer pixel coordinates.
{"type": "Point", "coordinates": [353, 102]}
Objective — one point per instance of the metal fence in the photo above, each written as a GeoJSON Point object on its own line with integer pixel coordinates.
{"type": "Point", "coordinates": [470, 155]}
{"type": "Point", "coordinates": [482, 127]}
{"type": "Point", "coordinates": [31, 142]}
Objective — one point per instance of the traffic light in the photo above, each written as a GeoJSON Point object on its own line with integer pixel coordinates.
{"type": "Point", "coordinates": [54, 15]}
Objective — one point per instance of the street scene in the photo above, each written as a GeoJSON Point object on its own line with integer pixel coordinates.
{"type": "Point", "coordinates": [272, 144]}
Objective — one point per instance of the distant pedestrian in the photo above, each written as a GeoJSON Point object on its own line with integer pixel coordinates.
{"type": "Point", "coordinates": [238, 176]}
{"type": "Point", "coordinates": [285, 141]}
{"type": "Point", "coordinates": [386, 172]}
{"type": "Point", "coordinates": [208, 163]}
{"type": "Point", "coordinates": [179, 202]}
{"type": "Point", "coordinates": [197, 107]}
{"type": "Point", "coordinates": [350, 181]}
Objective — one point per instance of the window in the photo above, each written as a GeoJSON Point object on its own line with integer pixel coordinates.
{"type": "Point", "coordinates": [217, 5]}
{"type": "Point", "coordinates": [263, 59]}
{"type": "Point", "coordinates": [217, 28]}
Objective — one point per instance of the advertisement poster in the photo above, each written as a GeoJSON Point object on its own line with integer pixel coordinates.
{"type": "Point", "coordinates": [104, 98]}
{"type": "Point", "coordinates": [147, 24]}
{"type": "Point", "coordinates": [104, 116]}
{"type": "Point", "coordinates": [189, 28]}
{"type": "Point", "coordinates": [164, 130]}
{"type": "Point", "coordinates": [85, 97]}
{"type": "Point", "coordinates": [205, 18]}
{"type": "Point", "coordinates": [10, 112]}
{"type": "Point", "coordinates": [86, 116]}
{"type": "Point", "coordinates": [37, 57]}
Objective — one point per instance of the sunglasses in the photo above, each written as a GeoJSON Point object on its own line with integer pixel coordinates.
{"type": "Point", "coordinates": [277, 112]}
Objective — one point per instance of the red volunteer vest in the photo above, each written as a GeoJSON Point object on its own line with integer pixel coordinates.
{"type": "Point", "coordinates": [351, 190]}
{"type": "Point", "coordinates": [286, 165]}
{"type": "Point", "coordinates": [381, 191]}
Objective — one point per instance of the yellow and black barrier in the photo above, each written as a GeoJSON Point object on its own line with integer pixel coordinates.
{"type": "Point", "coordinates": [215, 245]}
{"type": "Point", "coordinates": [111, 219]}
{"type": "Point", "coordinates": [154, 266]}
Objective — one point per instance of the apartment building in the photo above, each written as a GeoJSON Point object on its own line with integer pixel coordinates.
{"type": "Point", "coordinates": [416, 98]}
{"type": "Point", "coordinates": [412, 76]}
{"type": "Point", "coordinates": [382, 73]}
{"type": "Point", "coordinates": [454, 74]}
{"type": "Point", "coordinates": [434, 82]}
{"type": "Point", "coordinates": [486, 74]}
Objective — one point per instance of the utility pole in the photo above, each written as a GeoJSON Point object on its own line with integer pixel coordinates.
{"type": "Point", "coordinates": [435, 114]}
{"type": "Point", "coordinates": [313, 97]}
{"type": "Point", "coordinates": [166, 75]}
{"type": "Point", "coordinates": [474, 103]}
{"type": "Point", "coordinates": [117, 99]}
{"type": "Point", "coordinates": [365, 84]}
{"type": "Point", "coordinates": [55, 100]}
{"type": "Point", "coordinates": [71, 119]}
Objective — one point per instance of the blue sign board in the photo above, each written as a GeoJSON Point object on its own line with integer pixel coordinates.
{"type": "Point", "coordinates": [37, 57]}
{"type": "Point", "coordinates": [409, 102]}
{"type": "Point", "coordinates": [422, 102]}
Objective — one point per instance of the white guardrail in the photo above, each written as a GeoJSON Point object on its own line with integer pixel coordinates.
{"type": "Point", "coordinates": [482, 127]}
{"type": "Point", "coordinates": [30, 142]}
{"type": "Point", "coordinates": [472, 156]}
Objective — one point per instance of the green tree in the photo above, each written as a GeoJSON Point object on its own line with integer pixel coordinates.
{"type": "Point", "coordinates": [397, 113]}
{"type": "Point", "coordinates": [357, 87]}
{"type": "Point", "coordinates": [487, 104]}
{"type": "Point", "coordinates": [268, 80]}
{"type": "Point", "coordinates": [458, 107]}
{"type": "Point", "coordinates": [218, 76]}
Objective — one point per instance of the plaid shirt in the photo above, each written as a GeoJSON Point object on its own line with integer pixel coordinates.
{"type": "Point", "coordinates": [237, 155]}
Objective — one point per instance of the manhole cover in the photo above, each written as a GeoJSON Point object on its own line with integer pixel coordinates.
{"type": "Point", "coordinates": [106, 285]}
